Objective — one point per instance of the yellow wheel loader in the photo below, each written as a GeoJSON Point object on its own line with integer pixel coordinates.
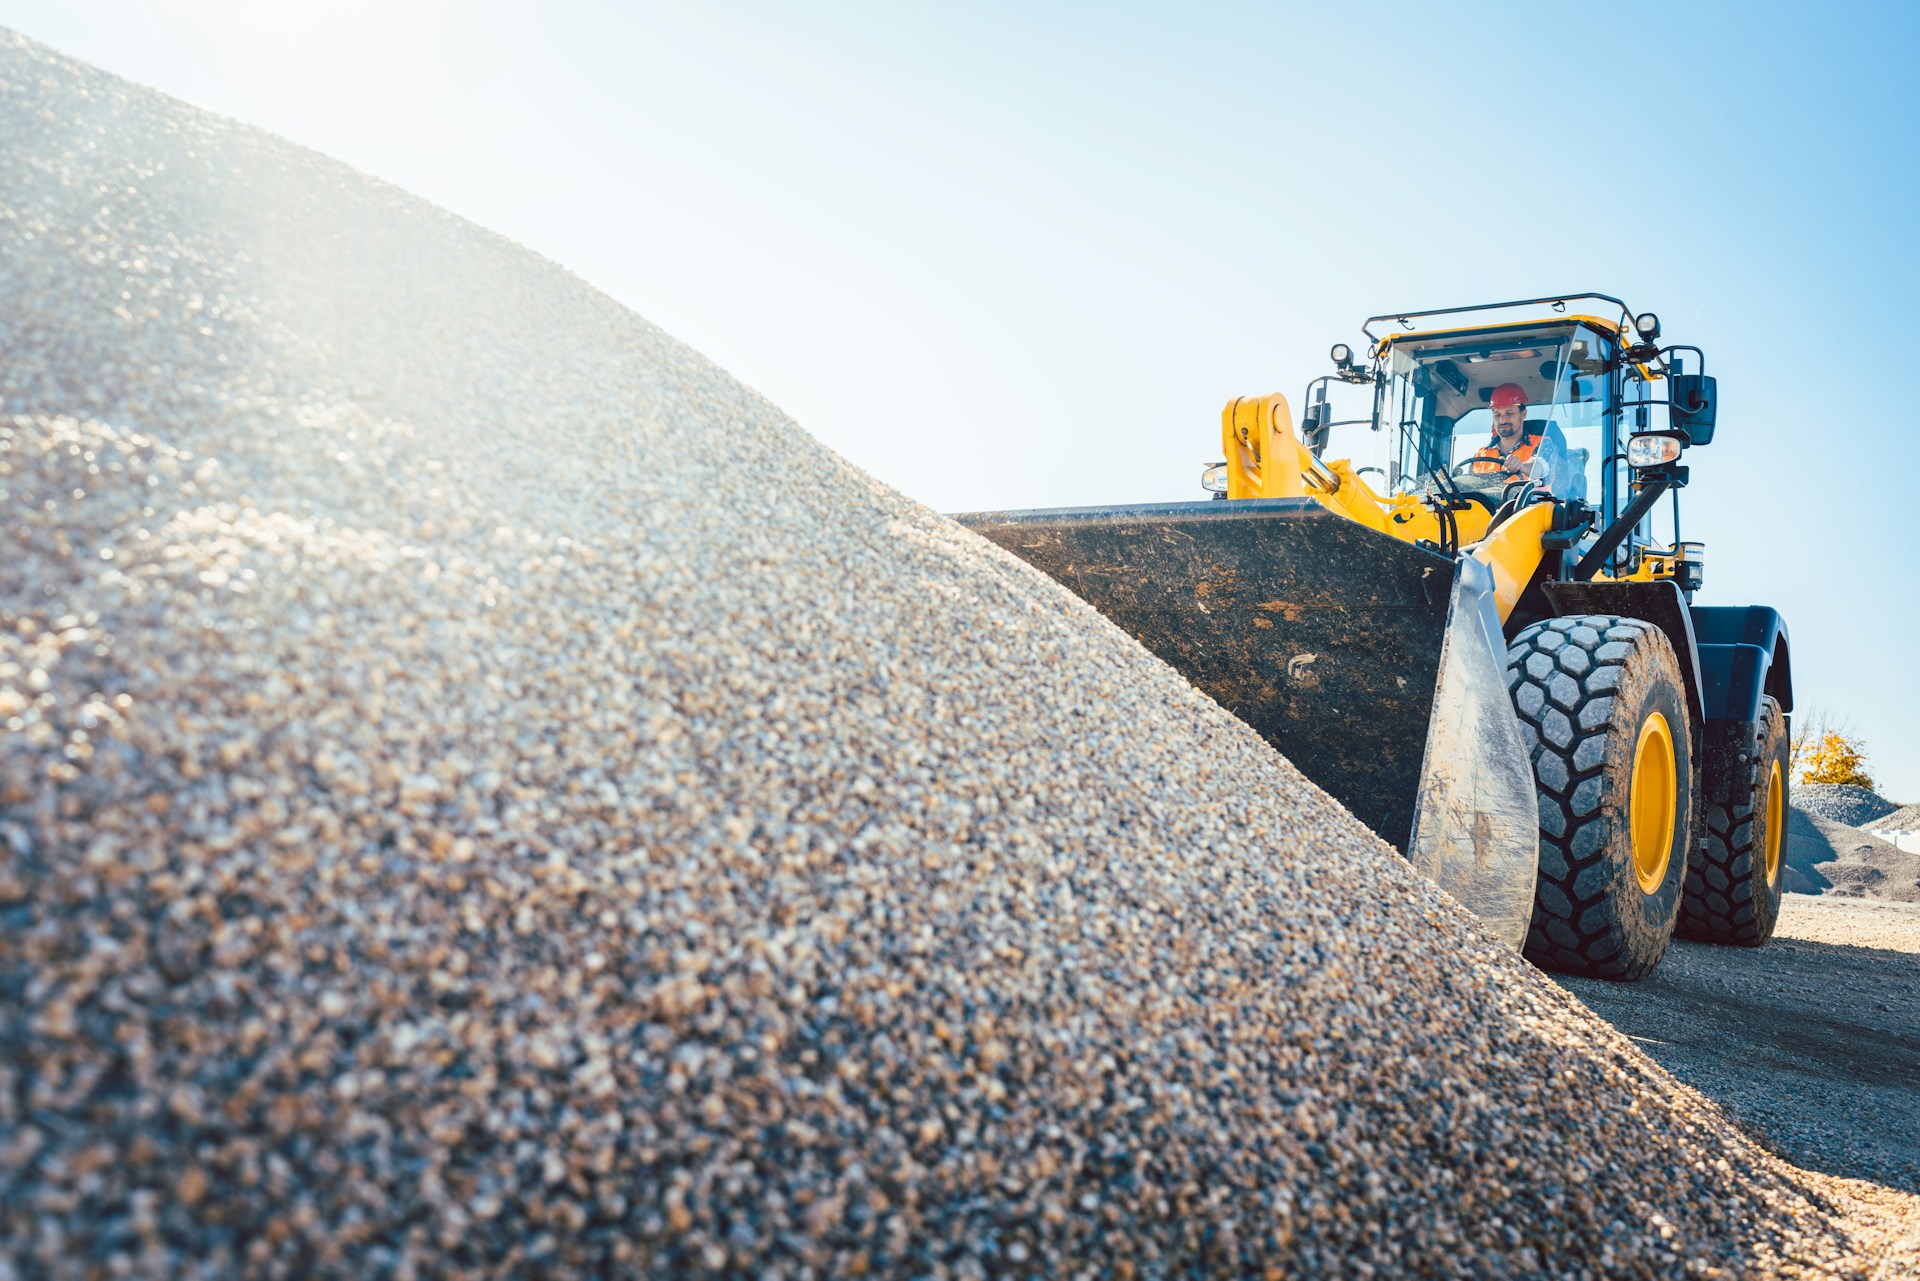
{"type": "Point", "coordinates": [1461, 623]}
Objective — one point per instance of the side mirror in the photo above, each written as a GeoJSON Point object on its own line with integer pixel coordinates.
{"type": "Point", "coordinates": [1313, 431]}
{"type": "Point", "coordinates": [1694, 396]}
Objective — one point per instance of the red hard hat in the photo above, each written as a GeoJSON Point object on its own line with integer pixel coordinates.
{"type": "Point", "coordinates": [1508, 394]}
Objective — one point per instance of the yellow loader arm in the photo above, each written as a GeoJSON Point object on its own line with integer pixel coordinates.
{"type": "Point", "coordinates": [1265, 459]}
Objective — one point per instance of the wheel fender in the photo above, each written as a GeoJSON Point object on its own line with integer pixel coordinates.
{"type": "Point", "coordinates": [1743, 657]}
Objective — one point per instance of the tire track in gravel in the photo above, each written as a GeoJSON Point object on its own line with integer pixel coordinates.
{"type": "Point", "coordinates": [1811, 1043]}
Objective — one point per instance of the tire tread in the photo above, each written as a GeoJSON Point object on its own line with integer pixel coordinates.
{"type": "Point", "coordinates": [1565, 676]}
{"type": "Point", "coordinates": [1725, 900]}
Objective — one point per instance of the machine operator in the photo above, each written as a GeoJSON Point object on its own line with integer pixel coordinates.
{"type": "Point", "coordinates": [1512, 449]}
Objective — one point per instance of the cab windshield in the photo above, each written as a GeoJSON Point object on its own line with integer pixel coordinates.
{"type": "Point", "coordinates": [1437, 402]}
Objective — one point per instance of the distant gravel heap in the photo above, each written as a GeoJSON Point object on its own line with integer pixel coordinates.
{"type": "Point", "coordinates": [1832, 858]}
{"type": "Point", "coordinates": [483, 793]}
{"type": "Point", "coordinates": [1904, 819]}
{"type": "Point", "coordinates": [1842, 802]}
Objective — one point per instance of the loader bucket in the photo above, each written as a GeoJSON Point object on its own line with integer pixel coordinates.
{"type": "Point", "coordinates": [1375, 666]}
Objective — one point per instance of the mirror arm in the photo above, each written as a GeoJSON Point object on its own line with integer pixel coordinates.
{"type": "Point", "coordinates": [1698, 354]}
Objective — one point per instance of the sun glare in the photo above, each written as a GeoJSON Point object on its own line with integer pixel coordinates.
{"type": "Point", "coordinates": [339, 58]}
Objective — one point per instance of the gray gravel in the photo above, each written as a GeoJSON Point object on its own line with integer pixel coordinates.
{"type": "Point", "coordinates": [1842, 802]}
{"type": "Point", "coordinates": [1812, 1042]}
{"type": "Point", "coordinates": [483, 793]}
{"type": "Point", "coordinates": [1832, 858]}
{"type": "Point", "coordinates": [1904, 819]}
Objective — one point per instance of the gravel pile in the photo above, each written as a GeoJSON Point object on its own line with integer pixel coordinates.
{"type": "Point", "coordinates": [1842, 802]}
{"type": "Point", "coordinates": [482, 793]}
{"type": "Point", "coordinates": [1832, 858]}
{"type": "Point", "coordinates": [1904, 819]}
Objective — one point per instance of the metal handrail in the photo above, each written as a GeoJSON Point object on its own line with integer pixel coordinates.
{"type": "Point", "coordinates": [1561, 300]}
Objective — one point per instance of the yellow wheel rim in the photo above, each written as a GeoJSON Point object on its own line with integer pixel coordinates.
{"type": "Point", "coordinates": [1776, 823]}
{"type": "Point", "coordinates": [1651, 803]}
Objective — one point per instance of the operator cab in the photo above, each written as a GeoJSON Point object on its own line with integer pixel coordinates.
{"type": "Point", "coordinates": [1433, 393]}
{"type": "Point", "coordinates": [1608, 410]}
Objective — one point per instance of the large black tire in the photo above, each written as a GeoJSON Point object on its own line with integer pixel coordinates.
{"type": "Point", "coordinates": [1737, 874]}
{"type": "Point", "coordinates": [1604, 716]}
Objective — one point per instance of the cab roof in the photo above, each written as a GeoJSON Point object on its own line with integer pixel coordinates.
{"type": "Point", "coordinates": [1540, 311]}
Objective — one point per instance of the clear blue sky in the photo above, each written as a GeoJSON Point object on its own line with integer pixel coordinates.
{"type": "Point", "coordinates": [1020, 255]}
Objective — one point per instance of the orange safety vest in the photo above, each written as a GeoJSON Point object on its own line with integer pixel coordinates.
{"type": "Point", "coordinates": [1522, 453]}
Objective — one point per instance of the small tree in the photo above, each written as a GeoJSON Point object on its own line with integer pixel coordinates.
{"type": "Point", "coordinates": [1833, 757]}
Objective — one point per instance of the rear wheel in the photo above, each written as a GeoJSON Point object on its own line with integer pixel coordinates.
{"type": "Point", "coordinates": [1736, 877]}
{"type": "Point", "coordinates": [1604, 716]}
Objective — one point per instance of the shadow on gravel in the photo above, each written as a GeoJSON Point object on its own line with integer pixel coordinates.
{"type": "Point", "coordinates": [1806, 847]}
{"type": "Point", "coordinates": [1812, 1048]}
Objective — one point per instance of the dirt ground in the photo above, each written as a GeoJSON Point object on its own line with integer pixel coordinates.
{"type": "Point", "coordinates": [1811, 1043]}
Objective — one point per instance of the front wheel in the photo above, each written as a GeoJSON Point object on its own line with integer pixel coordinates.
{"type": "Point", "coordinates": [1604, 716]}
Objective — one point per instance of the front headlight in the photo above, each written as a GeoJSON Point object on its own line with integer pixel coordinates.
{"type": "Point", "coordinates": [1652, 449]}
{"type": "Point", "coordinates": [1214, 479]}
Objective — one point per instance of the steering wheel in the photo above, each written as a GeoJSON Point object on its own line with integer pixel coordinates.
{"type": "Point", "coordinates": [1485, 500]}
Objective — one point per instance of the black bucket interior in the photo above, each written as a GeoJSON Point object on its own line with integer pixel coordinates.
{"type": "Point", "coordinates": [1320, 633]}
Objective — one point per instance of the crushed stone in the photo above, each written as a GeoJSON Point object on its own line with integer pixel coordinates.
{"type": "Point", "coordinates": [1842, 802]}
{"type": "Point", "coordinates": [1831, 858]}
{"type": "Point", "coordinates": [1904, 819]}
